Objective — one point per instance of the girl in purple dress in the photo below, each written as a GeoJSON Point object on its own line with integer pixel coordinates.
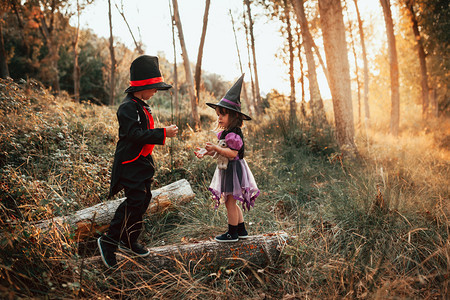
{"type": "Point", "coordinates": [233, 181]}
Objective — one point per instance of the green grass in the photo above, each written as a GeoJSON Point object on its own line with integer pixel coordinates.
{"type": "Point", "coordinates": [372, 227]}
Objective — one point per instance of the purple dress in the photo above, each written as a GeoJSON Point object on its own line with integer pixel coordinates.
{"type": "Point", "coordinates": [237, 179]}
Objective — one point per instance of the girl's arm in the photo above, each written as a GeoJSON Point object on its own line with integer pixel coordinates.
{"type": "Point", "coordinates": [227, 152]}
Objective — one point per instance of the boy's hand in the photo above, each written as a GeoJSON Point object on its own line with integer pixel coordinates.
{"type": "Point", "coordinates": [171, 131]}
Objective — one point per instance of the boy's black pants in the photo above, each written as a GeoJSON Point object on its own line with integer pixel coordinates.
{"type": "Point", "coordinates": [126, 224]}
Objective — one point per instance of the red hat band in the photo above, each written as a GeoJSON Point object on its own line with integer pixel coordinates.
{"type": "Point", "coordinates": [146, 81]}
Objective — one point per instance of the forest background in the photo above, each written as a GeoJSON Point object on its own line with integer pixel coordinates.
{"type": "Point", "coordinates": [361, 179]}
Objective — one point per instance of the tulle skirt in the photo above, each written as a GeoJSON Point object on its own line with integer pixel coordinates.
{"type": "Point", "coordinates": [236, 180]}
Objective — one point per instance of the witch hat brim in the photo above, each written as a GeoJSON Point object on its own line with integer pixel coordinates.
{"type": "Point", "coordinates": [227, 106]}
{"type": "Point", "coordinates": [232, 98]}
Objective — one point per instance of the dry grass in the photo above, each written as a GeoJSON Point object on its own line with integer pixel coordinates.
{"type": "Point", "coordinates": [370, 228]}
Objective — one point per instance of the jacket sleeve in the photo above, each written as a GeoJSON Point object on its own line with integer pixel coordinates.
{"type": "Point", "coordinates": [131, 129]}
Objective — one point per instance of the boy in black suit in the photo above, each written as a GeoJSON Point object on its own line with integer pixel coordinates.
{"type": "Point", "coordinates": [133, 167]}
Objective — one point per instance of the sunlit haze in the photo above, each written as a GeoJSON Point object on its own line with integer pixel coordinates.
{"type": "Point", "coordinates": [152, 18]}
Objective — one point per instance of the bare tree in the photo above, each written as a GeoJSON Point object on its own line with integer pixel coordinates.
{"type": "Point", "coordinates": [175, 71]}
{"type": "Point", "coordinates": [333, 31]}
{"type": "Point", "coordinates": [112, 81]}
{"type": "Point", "coordinates": [358, 86]}
{"type": "Point", "coordinates": [302, 75]}
{"type": "Point", "coordinates": [319, 57]}
{"type": "Point", "coordinates": [421, 54]}
{"type": "Point", "coordinates": [247, 102]}
{"type": "Point", "coordinates": [187, 67]}
{"type": "Point", "coordinates": [252, 82]}
{"type": "Point", "coordinates": [355, 57]}
{"type": "Point", "coordinates": [366, 67]}
{"type": "Point", "coordinates": [316, 99]}
{"type": "Point", "coordinates": [393, 62]}
{"type": "Point", "coordinates": [255, 69]}
{"type": "Point", "coordinates": [136, 43]}
{"type": "Point", "coordinates": [292, 104]}
{"type": "Point", "coordinates": [198, 66]}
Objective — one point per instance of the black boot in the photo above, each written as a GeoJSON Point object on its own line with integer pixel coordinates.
{"type": "Point", "coordinates": [134, 248]}
{"type": "Point", "coordinates": [230, 236]}
{"type": "Point", "coordinates": [107, 249]}
{"type": "Point", "coordinates": [129, 243]}
{"type": "Point", "coordinates": [242, 233]}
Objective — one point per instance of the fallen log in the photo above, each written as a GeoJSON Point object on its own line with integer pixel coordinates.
{"type": "Point", "coordinates": [257, 251]}
{"type": "Point", "coordinates": [91, 220]}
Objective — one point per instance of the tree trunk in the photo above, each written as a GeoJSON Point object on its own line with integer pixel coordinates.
{"type": "Point", "coordinates": [175, 71]}
{"type": "Point", "coordinates": [247, 101]}
{"type": "Point", "coordinates": [48, 33]}
{"type": "Point", "coordinates": [88, 221]}
{"type": "Point", "coordinates": [16, 7]}
{"type": "Point", "coordinates": [421, 54]}
{"type": "Point", "coordinates": [322, 64]}
{"type": "Point", "coordinates": [187, 67]}
{"type": "Point", "coordinates": [4, 72]}
{"type": "Point", "coordinates": [76, 67]}
{"type": "Point", "coordinates": [333, 31]}
{"type": "Point", "coordinates": [255, 69]}
{"type": "Point", "coordinates": [198, 66]}
{"type": "Point", "coordinates": [357, 76]}
{"type": "Point", "coordinates": [292, 104]}
{"type": "Point", "coordinates": [258, 250]}
{"type": "Point", "coordinates": [355, 57]}
{"type": "Point", "coordinates": [366, 65]}
{"type": "Point", "coordinates": [317, 108]}
{"type": "Point", "coordinates": [252, 82]}
{"type": "Point", "coordinates": [302, 75]}
{"type": "Point", "coordinates": [112, 81]}
{"type": "Point", "coordinates": [54, 63]}
{"type": "Point", "coordinates": [434, 103]}
{"type": "Point", "coordinates": [395, 93]}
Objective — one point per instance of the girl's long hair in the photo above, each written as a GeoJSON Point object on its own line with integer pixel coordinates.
{"type": "Point", "coordinates": [236, 119]}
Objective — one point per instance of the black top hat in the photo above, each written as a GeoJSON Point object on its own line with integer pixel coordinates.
{"type": "Point", "coordinates": [145, 74]}
{"type": "Point", "coordinates": [232, 99]}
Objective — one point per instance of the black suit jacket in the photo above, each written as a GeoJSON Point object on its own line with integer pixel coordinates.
{"type": "Point", "coordinates": [133, 135]}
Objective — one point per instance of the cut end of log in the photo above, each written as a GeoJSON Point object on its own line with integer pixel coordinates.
{"type": "Point", "coordinates": [87, 229]}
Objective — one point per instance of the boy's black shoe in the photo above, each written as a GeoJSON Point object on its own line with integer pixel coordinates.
{"type": "Point", "coordinates": [107, 250]}
{"type": "Point", "coordinates": [242, 233]}
{"type": "Point", "coordinates": [227, 237]}
{"type": "Point", "coordinates": [136, 249]}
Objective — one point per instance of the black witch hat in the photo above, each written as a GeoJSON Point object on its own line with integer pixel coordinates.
{"type": "Point", "coordinates": [145, 74]}
{"type": "Point", "coordinates": [232, 99]}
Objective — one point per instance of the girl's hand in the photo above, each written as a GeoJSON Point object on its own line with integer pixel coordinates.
{"type": "Point", "coordinates": [200, 152]}
{"type": "Point", "coordinates": [210, 153]}
{"type": "Point", "coordinates": [211, 147]}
